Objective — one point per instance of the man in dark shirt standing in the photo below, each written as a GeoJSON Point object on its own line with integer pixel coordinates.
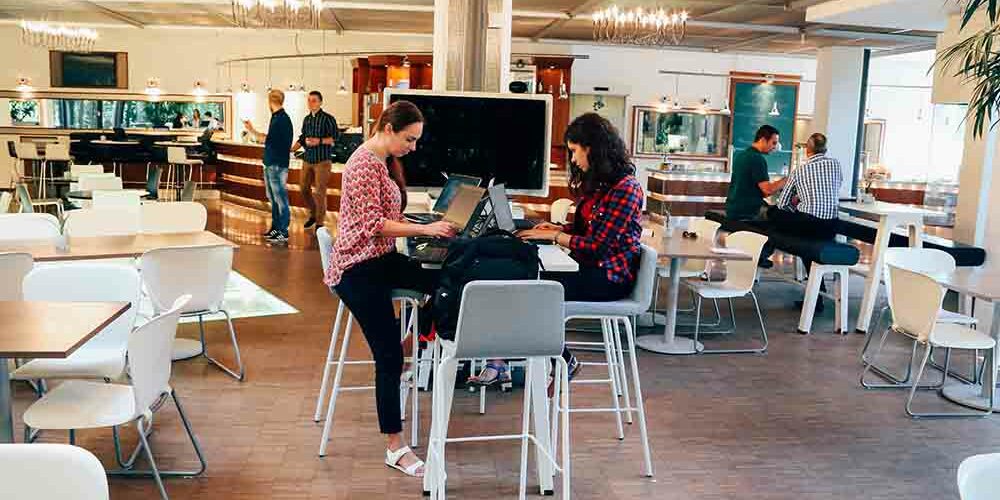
{"type": "Point", "coordinates": [277, 144]}
{"type": "Point", "coordinates": [319, 129]}
{"type": "Point", "coordinates": [750, 183]}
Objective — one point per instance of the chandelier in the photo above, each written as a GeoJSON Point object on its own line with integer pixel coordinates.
{"type": "Point", "coordinates": [50, 36]}
{"type": "Point", "coordinates": [640, 27]}
{"type": "Point", "coordinates": [288, 14]}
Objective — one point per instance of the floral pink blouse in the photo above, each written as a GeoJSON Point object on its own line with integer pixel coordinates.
{"type": "Point", "coordinates": [368, 197]}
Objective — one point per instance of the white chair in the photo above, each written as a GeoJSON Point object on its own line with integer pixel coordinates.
{"type": "Point", "coordinates": [102, 182]}
{"type": "Point", "coordinates": [920, 260]}
{"type": "Point", "coordinates": [127, 201]}
{"type": "Point", "coordinates": [100, 222]}
{"type": "Point", "coordinates": [613, 316]}
{"type": "Point", "coordinates": [6, 198]}
{"type": "Point", "coordinates": [79, 404]}
{"type": "Point", "coordinates": [57, 153]}
{"type": "Point", "coordinates": [76, 170]}
{"type": "Point", "coordinates": [179, 217]}
{"type": "Point", "coordinates": [88, 172]}
{"type": "Point", "coordinates": [28, 227]}
{"type": "Point", "coordinates": [409, 305]}
{"type": "Point", "coordinates": [693, 268]}
{"type": "Point", "coordinates": [979, 477]}
{"type": "Point", "coordinates": [916, 301]}
{"type": "Point", "coordinates": [28, 204]}
{"type": "Point", "coordinates": [740, 278]}
{"type": "Point", "coordinates": [27, 152]}
{"type": "Point", "coordinates": [201, 272]}
{"type": "Point", "coordinates": [177, 160]}
{"type": "Point", "coordinates": [506, 319]}
{"type": "Point", "coordinates": [559, 211]}
{"type": "Point", "coordinates": [103, 356]}
{"type": "Point", "coordinates": [13, 268]}
{"type": "Point", "coordinates": [26, 471]}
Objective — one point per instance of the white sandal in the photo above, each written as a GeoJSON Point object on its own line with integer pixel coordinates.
{"type": "Point", "coordinates": [392, 459]}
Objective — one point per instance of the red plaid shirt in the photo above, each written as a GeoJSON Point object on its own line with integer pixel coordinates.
{"type": "Point", "coordinates": [610, 236]}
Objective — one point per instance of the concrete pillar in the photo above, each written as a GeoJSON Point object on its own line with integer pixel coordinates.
{"type": "Point", "coordinates": [840, 75]}
{"type": "Point", "coordinates": [472, 44]}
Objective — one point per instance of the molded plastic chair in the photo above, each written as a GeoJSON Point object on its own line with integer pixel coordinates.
{"type": "Point", "coordinates": [26, 471]}
{"type": "Point", "coordinates": [916, 301]}
{"type": "Point", "coordinates": [506, 319]}
{"type": "Point", "coordinates": [28, 227]}
{"type": "Point", "coordinates": [59, 153]}
{"type": "Point", "coordinates": [693, 268]}
{"type": "Point", "coordinates": [78, 404]}
{"type": "Point", "coordinates": [13, 268]}
{"type": "Point", "coordinates": [100, 222]}
{"type": "Point", "coordinates": [28, 204]}
{"type": "Point", "coordinates": [27, 152]}
{"type": "Point", "coordinates": [740, 278]}
{"type": "Point", "coordinates": [179, 217]}
{"type": "Point", "coordinates": [77, 170]}
{"type": "Point", "coordinates": [613, 316]}
{"type": "Point", "coordinates": [101, 182]}
{"type": "Point", "coordinates": [920, 260]}
{"type": "Point", "coordinates": [5, 200]}
{"type": "Point", "coordinates": [408, 301]}
{"type": "Point", "coordinates": [559, 210]}
{"type": "Point", "coordinates": [979, 477]}
{"type": "Point", "coordinates": [123, 201]}
{"type": "Point", "coordinates": [201, 272]}
{"type": "Point", "coordinates": [103, 356]}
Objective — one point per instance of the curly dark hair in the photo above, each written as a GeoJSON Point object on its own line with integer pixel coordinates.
{"type": "Point", "coordinates": [608, 157]}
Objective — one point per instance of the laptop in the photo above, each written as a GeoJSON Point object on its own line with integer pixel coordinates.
{"type": "Point", "coordinates": [463, 212]}
{"type": "Point", "coordinates": [444, 199]}
{"type": "Point", "coordinates": [501, 208]}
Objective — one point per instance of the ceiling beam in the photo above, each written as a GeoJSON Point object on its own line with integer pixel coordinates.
{"type": "Point", "coordinates": [336, 20]}
{"type": "Point", "coordinates": [749, 41]}
{"type": "Point", "coordinates": [754, 4]}
{"type": "Point", "coordinates": [805, 4]}
{"type": "Point", "coordinates": [114, 14]}
{"type": "Point", "coordinates": [864, 35]}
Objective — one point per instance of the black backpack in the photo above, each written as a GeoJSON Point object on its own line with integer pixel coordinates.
{"type": "Point", "coordinates": [496, 255]}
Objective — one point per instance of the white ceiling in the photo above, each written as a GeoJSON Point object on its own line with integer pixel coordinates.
{"type": "Point", "coordinates": [930, 15]}
{"type": "Point", "coordinates": [775, 26]}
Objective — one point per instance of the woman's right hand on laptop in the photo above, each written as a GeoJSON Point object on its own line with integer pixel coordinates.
{"type": "Point", "coordinates": [548, 226]}
{"type": "Point", "coordinates": [440, 229]}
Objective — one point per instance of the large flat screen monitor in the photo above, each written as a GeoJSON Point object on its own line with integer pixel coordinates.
{"type": "Point", "coordinates": [503, 138]}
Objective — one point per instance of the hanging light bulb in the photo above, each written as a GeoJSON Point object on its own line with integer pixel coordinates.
{"type": "Point", "coordinates": [725, 109]}
{"type": "Point", "coordinates": [153, 86]}
{"type": "Point", "coordinates": [662, 106]}
{"type": "Point", "coordinates": [774, 110]}
{"type": "Point", "coordinates": [245, 88]}
{"type": "Point", "coordinates": [199, 89]}
{"type": "Point", "coordinates": [563, 94]}
{"type": "Point", "coordinates": [342, 90]}
{"type": "Point", "coordinates": [24, 84]}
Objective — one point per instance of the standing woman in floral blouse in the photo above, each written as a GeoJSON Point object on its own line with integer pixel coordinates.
{"type": "Point", "coordinates": [365, 268]}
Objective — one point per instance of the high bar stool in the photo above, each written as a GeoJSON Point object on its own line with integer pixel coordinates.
{"type": "Point", "coordinates": [489, 326]}
{"type": "Point", "coordinates": [409, 305]}
{"type": "Point", "coordinates": [614, 315]}
{"type": "Point", "coordinates": [177, 157]}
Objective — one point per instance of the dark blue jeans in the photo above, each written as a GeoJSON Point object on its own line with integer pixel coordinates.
{"type": "Point", "coordinates": [275, 179]}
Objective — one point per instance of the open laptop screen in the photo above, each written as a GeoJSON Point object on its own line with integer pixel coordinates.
{"type": "Point", "coordinates": [451, 189]}
{"type": "Point", "coordinates": [501, 209]}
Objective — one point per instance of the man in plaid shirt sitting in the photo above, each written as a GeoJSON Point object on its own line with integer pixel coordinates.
{"type": "Point", "coordinates": [808, 205]}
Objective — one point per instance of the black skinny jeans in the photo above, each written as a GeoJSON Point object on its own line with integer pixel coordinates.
{"type": "Point", "coordinates": [366, 289]}
{"type": "Point", "coordinates": [589, 284]}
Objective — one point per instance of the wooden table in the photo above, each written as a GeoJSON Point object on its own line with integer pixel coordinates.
{"type": "Point", "coordinates": [88, 194]}
{"type": "Point", "coordinates": [675, 250]}
{"type": "Point", "coordinates": [110, 247]}
{"type": "Point", "coordinates": [889, 217]}
{"type": "Point", "coordinates": [108, 142]}
{"type": "Point", "coordinates": [45, 330]}
{"type": "Point", "coordinates": [981, 284]}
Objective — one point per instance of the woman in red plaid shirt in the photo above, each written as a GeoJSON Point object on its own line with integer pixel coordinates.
{"type": "Point", "coordinates": [605, 233]}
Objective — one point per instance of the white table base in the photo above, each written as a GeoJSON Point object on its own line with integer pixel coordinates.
{"type": "Point", "coordinates": [887, 223]}
{"type": "Point", "coordinates": [970, 396]}
{"type": "Point", "coordinates": [668, 343]}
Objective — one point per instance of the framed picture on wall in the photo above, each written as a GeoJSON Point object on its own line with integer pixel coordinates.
{"type": "Point", "coordinates": [764, 99]}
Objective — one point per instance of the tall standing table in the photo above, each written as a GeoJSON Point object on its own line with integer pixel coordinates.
{"type": "Point", "coordinates": [890, 216]}
{"type": "Point", "coordinates": [31, 329]}
{"type": "Point", "coordinates": [677, 249]}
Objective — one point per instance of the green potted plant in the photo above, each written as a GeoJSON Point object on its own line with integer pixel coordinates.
{"type": "Point", "coordinates": [976, 61]}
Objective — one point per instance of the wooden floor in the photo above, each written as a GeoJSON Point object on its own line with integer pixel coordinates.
{"type": "Point", "coordinates": [791, 424]}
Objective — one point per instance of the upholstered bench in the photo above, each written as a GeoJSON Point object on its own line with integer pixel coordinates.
{"type": "Point", "coordinates": [828, 257]}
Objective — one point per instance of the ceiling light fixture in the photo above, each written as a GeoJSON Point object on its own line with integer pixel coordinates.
{"type": "Point", "coordinates": [342, 90]}
{"type": "Point", "coordinates": [199, 89]}
{"type": "Point", "coordinates": [640, 27]}
{"type": "Point", "coordinates": [153, 86]}
{"type": "Point", "coordinates": [24, 85]}
{"type": "Point", "coordinates": [662, 107]}
{"type": "Point", "coordinates": [774, 110]}
{"type": "Point", "coordinates": [57, 37]}
{"type": "Point", "coordinates": [287, 14]}
{"type": "Point", "coordinates": [563, 93]}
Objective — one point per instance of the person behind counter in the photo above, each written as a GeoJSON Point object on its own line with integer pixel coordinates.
{"type": "Point", "coordinates": [196, 119]}
{"type": "Point", "coordinates": [365, 268]}
{"type": "Point", "coordinates": [277, 144]}
{"type": "Point", "coordinates": [604, 237]}
{"type": "Point", "coordinates": [319, 129]}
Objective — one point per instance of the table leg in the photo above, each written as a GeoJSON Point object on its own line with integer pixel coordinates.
{"type": "Point", "coordinates": [916, 234]}
{"type": "Point", "coordinates": [6, 406]}
{"type": "Point", "coordinates": [540, 414]}
{"type": "Point", "coordinates": [668, 343]}
{"type": "Point", "coordinates": [874, 278]}
{"type": "Point", "coordinates": [976, 396]}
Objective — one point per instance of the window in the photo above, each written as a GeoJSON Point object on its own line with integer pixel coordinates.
{"type": "Point", "coordinates": [24, 112]}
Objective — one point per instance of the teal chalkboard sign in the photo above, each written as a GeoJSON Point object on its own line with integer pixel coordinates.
{"type": "Point", "coordinates": [753, 106]}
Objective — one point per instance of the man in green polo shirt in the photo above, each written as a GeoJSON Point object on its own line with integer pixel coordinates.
{"type": "Point", "coordinates": [750, 184]}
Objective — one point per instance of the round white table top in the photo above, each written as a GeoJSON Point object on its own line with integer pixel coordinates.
{"type": "Point", "coordinates": [106, 142]}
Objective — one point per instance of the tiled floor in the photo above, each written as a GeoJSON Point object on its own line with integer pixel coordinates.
{"type": "Point", "coordinates": [792, 424]}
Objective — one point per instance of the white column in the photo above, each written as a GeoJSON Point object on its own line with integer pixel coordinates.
{"type": "Point", "coordinates": [472, 44]}
{"type": "Point", "coordinates": [838, 98]}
